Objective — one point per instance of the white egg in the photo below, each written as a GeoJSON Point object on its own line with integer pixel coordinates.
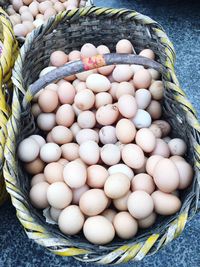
{"type": "Point", "coordinates": [142, 119]}
{"type": "Point", "coordinates": [122, 168]}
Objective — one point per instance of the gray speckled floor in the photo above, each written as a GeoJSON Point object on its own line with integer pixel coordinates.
{"type": "Point", "coordinates": [181, 21]}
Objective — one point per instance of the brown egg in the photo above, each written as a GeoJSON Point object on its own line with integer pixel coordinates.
{"type": "Point", "coordinates": [157, 90]}
{"type": "Point", "coordinates": [35, 166]}
{"type": "Point", "coordinates": [44, 6]}
{"type": "Point", "coordinates": [164, 126]}
{"type": "Point", "coordinates": [37, 178]}
{"type": "Point", "coordinates": [63, 162]}
{"type": "Point", "coordinates": [113, 89]}
{"type": "Point", "coordinates": [154, 74]}
{"type": "Point", "coordinates": [141, 169]}
{"type": "Point", "coordinates": [147, 222]}
{"type": "Point", "coordinates": [84, 99]}
{"type": "Point", "coordinates": [140, 204]}
{"type": "Point", "coordinates": [177, 158]}
{"type": "Point", "coordinates": [27, 2]}
{"type": "Point", "coordinates": [86, 119]}
{"type": "Point", "coordinates": [127, 106]}
{"type": "Point", "coordinates": [125, 131]}
{"type": "Point", "coordinates": [65, 115]}
{"type": "Point", "coordinates": [133, 156]}
{"type": "Point", "coordinates": [109, 214]}
{"type": "Point", "coordinates": [121, 203]}
{"type": "Point", "coordinates": [53, 172]}
{"type": "Point", "coordinates": [61, 135]}
{"type": "Point", "coordinates": [107, 115]}
{"type": "Point", "coordinates": [35, 109]}
{"type": "Point", "coordinates": [143, 182]}
{"type": "Point", "coordinates": [165, 204]}
{"type": "Point", "coordinates": [145, 139]}
{"type": "Point", "coordinates": [70, 151]}
{"type": "Point", "coordinates": [74, 55]}
{"type": "Point", "coordinates": [59, 7]}
{"type": "Point", "coordinates": [80, 86]}
{"type": "Point", "coordinates": [124, 46]}
{"type": "Point", "coordinates": [125, 88]}
{"type": "Point", "coordinates": [142, 79]}
{"type": "Point", "coordinates": [96, 176]}
{"type": "Point", "coordinates": [38, 195]}
{"type": "Point", "coordinates": [122, 73]}
{"type": "Point", "coordinates": [93, 202]}
{"type": "Point", "coordinates": [185, 173]}
{"type": "Point", "coordinates": [125, 225]}
{"type": "Point", "coordinates": [78, 192]}
{"type": "Point", "coordinates": [161, 148]}
{"type": "Point", "coordinates": [155, 109]}
{"type": "Point", "coordinates": [166, 175]}
{"type": "Point", "coordinates": [58, 58]}
{"type": "Point", "coordinates": [103, 49]}
{"type": "Point", "coordinates": [156, 130]}
{"type": "Point", "coordinates": [48, 100]}
{"type": "Point", "coordinates": [88, 50]}
{"type": "Point", "coordinates": [49, 138]}
{"type": "Point", "coordinates": [102, 98]}
{"type": "Point", "coordinates": [151, 163]}
{"type": "Point", "coordinates": [147, 53]}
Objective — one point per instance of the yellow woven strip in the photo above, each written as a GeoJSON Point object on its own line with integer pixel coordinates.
{"type": "Point", "coordinates": [32, 226]}
{"type": "Point", "coordinates": [114, 254]}
{"type": "Point", "coordinates": [70, 252]}
{"type": "Point", "coordinates": [130, 254]}
{"type": "Point", "coordinates": [172, 86]}
{"type": "Point", "coordinates": [185, 102]}
{"type": "Point", "coordinates": [146, 247]}
{"type": "Point", "coordinates": [182, 219]}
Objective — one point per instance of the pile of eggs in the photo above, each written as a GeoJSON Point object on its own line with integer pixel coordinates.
{"type": "Point", "coordinates": [105, 164]}
{"type": "Point", "coordinates": [26, 15]}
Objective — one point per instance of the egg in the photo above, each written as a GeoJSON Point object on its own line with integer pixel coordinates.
{"type": "Point", "coordinates": [107, 135]}
{"type": "Point", "coordinates": [167, 139]}
{"type": "Point", "coordinates": [177, 146]}
{"type": "Point", "coordinates": [107, 114]}
{"type": "Point", "coordinates": [141, 169]}
{"type": "Point", "coordinates": [84, 99]}
{"type": "Point", "coordinates": [59, 195]}
{"type": "Point", "coordinates": [142, 79]}
{"type": "Point", "coordinates": [48, 100]}
{"type": "Point", "coordinates": [63, 162]}
{"type": "Point", "coordinates": [125, 131]}
{"type": "Point", "coordinates": [80, 86]}
{"type": "Point", "coordinates": [43, 6]}
{"type": "Point", "coordinates": [143, 98]}
{"type": "Point", "coordinates": [125, 88]}
{"type": "Point", "coordinates": [156, 130]}
{"type": "Point", "coordinates": [146, 140]}
{"type": "Point", "coordinates": [127, 106]}
{"type": "Point", "coordinates": [76, 110]}
{"type": "Point", "coordinates": [125, 225]}
{"type": "Point", "coordinates": [87, 135]}
{"type": "Point", "coordinates": [82, 76]}
{"type": "Point", "coordinates": [177, 158]}
{"type": "Point", "coordinates": [78, 192]}
{"type": "Point", "coordinates": [37, 178]}
{"type": "Point", "coordinates": [140, 204]}
{"type": "Point", "coordinates": [122, 73]}
{"type": "Point", "coordinates": [154, 74]}
{"type": "Point", "coordinates": [47, 69]}
{"type": "Point", "coordinates": [70, 151]}
{"type": "Point", "coordinates": [71, 220]}
{"type": "Point", "coordinates": [89, 152]}
{"type": "Point", "coordinates": [113, 89]}
{"type": "Point", "coordinates": [10, 10]}
{"type": "Point", "coordinates": [75, 128]}
{"type": "Point", "coordinates": [66, 93]}
{"type": "Point", "coordinates": [161, 148]}
{"type": "Point", "coordinates": [58, 58]}
{"type": "Point", "coordinates": [143, 182]}
{"type": "Point", "coordinates": [16, 19]}
{"type": "Point", "coordinates": [98, 230]}
{"type": "Point", "coordinates": [93, 202]}
{"type": "Point", "coordinates": [49, 138]}
{"type": "Point", "coordinates": [165, 204]}
{"type": "Point", "coordinates": [121, 203]}
{"type": "Point", "coordinates": [86, 119]}
{"type": "Point", "coordinates": [98, 83]}
{"type": "Point", "coordinates": [28, 150]}
{"type": "Point", "coordinates": [157, 90]}
{"type": "Point", "coordinates": [46, 121]}
{"type": "Point", "coordinates": [185, 173]}
{"type": "Point", "coordinates": [102, 99]}
{"type": "Point", "coordinates": [164, 126]}
{"type": "Point", "coordinates": [65, 115]}
{"type": "Point", "coordinates": [26, 15]}
{"type": "Point", "coordinates": [34, 167]}
{"type": "Point", "coordinates": [33, 8]}
{"type": "Point", "coordinates": [142, 119]}
{"type": "Point", "coordinates": [121, 168]}
{"type": "Point", "coordinates": [49, 13]}
{"type": "Point", "coordinates": [103, 49]}
{"type": "Point", "coordinates": [151, 163]}
{"type": "Point", "coordinates": [166, 175]}
{"type": "Point", "coordinates": [148, 221]}
{"type": "Point", "coordinates": [37, 23]}
{"type": "Point", "coordinates": [53, 172]}
{"type": "Point", "coordinates": [74, 55]}
{"type": "Point", "coordinates": [55, 213]}
{"type": "Point", "coordinates": [38, 195]}
{"type": "Point", "coordinates": [96, 176]}
{"type": "Point", "coordinates": [88, 50]}
{"type": "Point", "coordinates": [136, 68]}
{"type": "Point", "coordinates": [124, 46]}
{"type": "Point", "coordinates": [50, 152]}
{"type": "Point", "coordinates": [109, 214]}
{"type": "Point", "coordinates": [29, 25]}
{"type": "Point", "coordinates": [110, 154]}
{"type": "Point", "coordinates": [147, 53]}
{"type": "Point", "coordinates": [75, 174]}
{"type": "Point", "coordinates": [155, 109]}
{"type": "Point", "coordinates": [117, 185]}
{"type": "Point", "coordinates": [133, 156]}
{"type": "Point", "coordinates": [17, 4]}
{"type": "Point", "coordinates": [20, 30]}
{"type": "Point", "coordinates": [61, 135]}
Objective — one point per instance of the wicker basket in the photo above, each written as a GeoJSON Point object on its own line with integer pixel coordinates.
{"type": "Point", "coordinates": [67, 31]}
{"type": "Point", "coordinates": [8, 51]}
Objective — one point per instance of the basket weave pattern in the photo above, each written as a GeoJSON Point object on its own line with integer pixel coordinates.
{"type": "Point", "coordinates": [67, 31]}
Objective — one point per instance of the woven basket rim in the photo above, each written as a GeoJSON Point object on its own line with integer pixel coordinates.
{"type": "Point", "coordinates": [126, 251]}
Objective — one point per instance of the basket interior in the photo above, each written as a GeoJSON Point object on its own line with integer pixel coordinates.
{"type": "Point", "coordinates": [70, 34]}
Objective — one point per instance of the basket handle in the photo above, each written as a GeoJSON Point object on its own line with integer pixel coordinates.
{"type": "Point", "coordinates": [88, 64]}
